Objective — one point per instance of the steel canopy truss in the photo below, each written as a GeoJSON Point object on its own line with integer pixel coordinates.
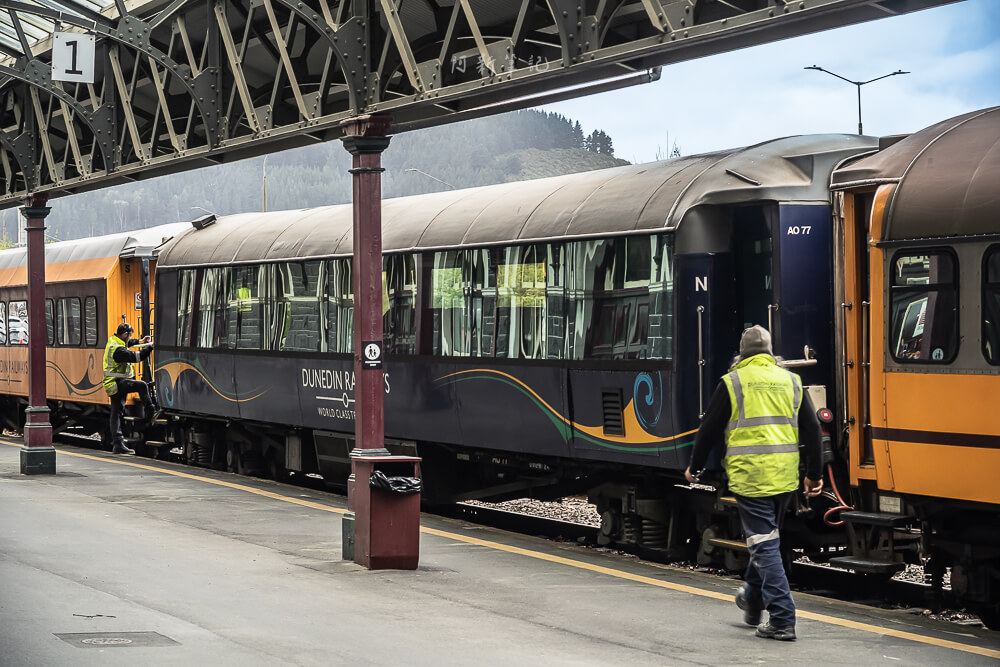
{"type": "Point", "coordinates": [184, 83]}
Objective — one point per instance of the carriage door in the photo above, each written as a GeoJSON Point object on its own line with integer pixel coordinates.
{"type": "Point", "coordinates": [753, 275]}
{"type": "Point", "coordinates": [855, 317]}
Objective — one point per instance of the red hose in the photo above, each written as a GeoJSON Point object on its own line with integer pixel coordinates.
{"type": "Point", "coordinates": [836, 492]}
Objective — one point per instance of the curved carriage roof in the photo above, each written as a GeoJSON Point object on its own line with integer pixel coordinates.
{"type": "Point", "coordinates": [86, 259]}
{"type": "Point", "coordinates": [622, 200]}
{"type": "Point", "coordinates": [947, 178]}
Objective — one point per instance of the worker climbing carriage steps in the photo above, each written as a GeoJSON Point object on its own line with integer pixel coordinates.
{"type": "Point", "coordinates": [119, 381]}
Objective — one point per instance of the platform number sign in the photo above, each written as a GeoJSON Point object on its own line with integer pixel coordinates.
{"type": "Point", "coordinates": [372, 351]}
{"type": "Point", "coordinates": [73, 57]}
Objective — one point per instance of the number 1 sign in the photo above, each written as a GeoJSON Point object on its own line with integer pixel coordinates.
{"type": "Point", "coordinates": [73, 57]}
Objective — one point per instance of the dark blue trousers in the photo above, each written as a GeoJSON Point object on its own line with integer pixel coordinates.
{"type": "Point", "coordinates": [766, 583]}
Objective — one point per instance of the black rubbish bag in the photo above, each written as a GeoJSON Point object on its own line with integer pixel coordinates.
{"type": "Point", "coordinates": [404, 486]}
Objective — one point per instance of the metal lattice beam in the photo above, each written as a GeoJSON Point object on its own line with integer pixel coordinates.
{"type": "Point", "coordinates": [183, 83]}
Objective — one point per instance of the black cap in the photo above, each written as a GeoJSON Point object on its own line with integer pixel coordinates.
{"type": "Point", "coordinates": [124, 329]}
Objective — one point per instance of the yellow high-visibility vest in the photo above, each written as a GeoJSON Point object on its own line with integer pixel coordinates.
{"type": "Point", "coordinates": [114, 370]}
{"type": "Point", "coordinates": [762, 438]}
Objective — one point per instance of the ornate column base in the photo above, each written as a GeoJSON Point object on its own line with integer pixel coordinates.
{"type": "Point", "coordinates": [38, 460]}
{"type": "Point", "coordinates": [38, 456]}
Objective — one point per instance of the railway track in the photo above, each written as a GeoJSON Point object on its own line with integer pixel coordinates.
{"type": "Point", "coordinates": [815, 579]}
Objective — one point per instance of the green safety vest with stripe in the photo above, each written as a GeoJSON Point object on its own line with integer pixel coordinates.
{"type": "Point", "coordinates": [762, 438]}
{"type": "Point", "coordinates": [115, 370]}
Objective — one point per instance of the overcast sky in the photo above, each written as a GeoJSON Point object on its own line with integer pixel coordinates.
{"type": "Point", "coordinates": [747, 96]}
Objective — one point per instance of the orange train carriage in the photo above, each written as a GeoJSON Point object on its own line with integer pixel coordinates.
{"type": "Point", "coordinates": [90, 285]}
{"type": "Point", "coordinates": [920, 346]}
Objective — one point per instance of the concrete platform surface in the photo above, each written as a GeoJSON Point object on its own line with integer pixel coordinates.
{"type": "Point", "coordinates": [125, 561]}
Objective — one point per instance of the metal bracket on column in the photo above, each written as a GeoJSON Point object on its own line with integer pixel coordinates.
{"type": "Point", "coordinates": [22, 147]}
{"type": "Point", "coordinates": [351, 47]}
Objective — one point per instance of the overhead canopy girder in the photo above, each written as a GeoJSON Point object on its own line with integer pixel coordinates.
{"type": "Point", "coordinates": [184, 83]}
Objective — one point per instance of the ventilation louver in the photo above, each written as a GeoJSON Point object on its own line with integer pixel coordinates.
{"type": "Point", "coordinates": [611, 406]}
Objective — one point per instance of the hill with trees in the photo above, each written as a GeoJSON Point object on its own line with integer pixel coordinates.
{"type": "Point", "coordinates": [511, 147]}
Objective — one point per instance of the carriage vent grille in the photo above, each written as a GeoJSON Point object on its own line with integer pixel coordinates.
{"type": "Point", "coordinates": [611, 405]}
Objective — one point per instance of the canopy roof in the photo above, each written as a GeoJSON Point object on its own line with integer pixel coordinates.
{"type": "Point", "coordinates": [38, 29]}
{"type": "Point", "coordinates": [624, 200]}
{"type": "Point", "coordinates": [947, 178]}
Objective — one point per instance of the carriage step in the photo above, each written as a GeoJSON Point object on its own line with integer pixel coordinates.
{"type": "Point", "coordinates": [735, 545]}
{"type": "Point", "coordinates": [727, 500]}
{"type": "Point", "coordinates": [866, 566]}
{"type": "Point", "coordinates": [880, 519]}
{"type": "Point", "coordinates": [156, 443]}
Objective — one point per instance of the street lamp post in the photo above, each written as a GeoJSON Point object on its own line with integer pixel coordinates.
{"type": "Point", "coordinates": [264, 184]}
{"type": "Point", "coordinates": [432, 177]}
{"type": "Point", "coordinates": [858, 84]}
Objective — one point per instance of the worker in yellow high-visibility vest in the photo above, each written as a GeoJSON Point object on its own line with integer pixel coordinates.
{"type": "Point", "coordinates": [119, 380]}
{"type": "Point", "coordinates": [764, 416]}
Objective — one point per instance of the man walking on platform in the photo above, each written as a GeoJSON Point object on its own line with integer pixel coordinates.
{"type": "Point", "coordinates": [764, 415]}
{"type": "Point", "coordinates": [119, 380]}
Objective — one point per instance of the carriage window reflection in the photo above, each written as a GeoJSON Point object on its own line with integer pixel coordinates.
{"type": "Point", "coordinates": [213, 316]}
{"type": "Point", "coordinates": [298, 310]}
{"type": "Point", "coordinates": [619, 298]}
{"type": "Point", "coordinates": [50, 323]}
{"type": "Point", "coordinates": [991, 305]}
{"type": "Point", "coordinates": [399, 303]}
{"type": "Point", "coordinates": [245, 309]}
{"type": "Point", "coordinates": [90, 321]}
{"type": "Point", "coordinates": [3, 323]}
{"type": "Point", "coordinates": [450, 304]}
{"type": "Point", "coordinates": [339, 306]}
{"type": "Point", "coordinates": [522, 277]}
{"type": "Point", "coordinates": [68, 316]}
{"type": "Point", "coordinates": [924, 307]}
{"type": "Point", "coordinates": [185, 305]}
{"type": "Point", "coordinates": [17, 322]}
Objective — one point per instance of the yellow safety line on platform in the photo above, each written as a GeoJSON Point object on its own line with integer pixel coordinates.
{"type": "Point", "coordinates": [551, 558]}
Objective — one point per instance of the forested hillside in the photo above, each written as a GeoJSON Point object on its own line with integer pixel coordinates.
{"type": "Point", "coordinates": [516, 146]}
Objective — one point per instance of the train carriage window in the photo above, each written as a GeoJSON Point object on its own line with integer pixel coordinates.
{"type": "Point", "coordinates": [185, 305]}
{"type": "Point", "coordinates": [619, 298]}
{"type": "Point", "coordinates": [17, 322]}
{"type": "Point", "coordinates": [90, 321]}
{"type": "Point", "coordinates": [245, 309]}
{"type": "Point", "coordinates": [450, 304]}
{"type": "Point", "coordinates": [68, 325]}
{"type": "Point", "coordinates": [924, 307]}
{"type": "Point", "coordinates": [522, 281]}
{"type": "Point", "coordinates": [3, 323]}
{"type": "Point", "coordinates": [991, 305]}
{"type": "Point", "coordinates": [399, 302]}
{"type": "Point", "coordinates": [294, 319]}
{"type": "Point", "coordinates": [50, 323]}
{"type": "Point", "coordinates": [339, 304]}
{"type": "Point", "coordinates": [213, 315]}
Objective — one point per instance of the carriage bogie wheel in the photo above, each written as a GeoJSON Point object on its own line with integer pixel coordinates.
{"type": "Point", "coordinates": [233, 459]}
{"type": "Point", "coordinates": [274, 468]}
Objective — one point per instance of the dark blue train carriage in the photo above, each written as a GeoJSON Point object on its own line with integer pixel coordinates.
{"type": "Point", "coordinates": [549, 337]}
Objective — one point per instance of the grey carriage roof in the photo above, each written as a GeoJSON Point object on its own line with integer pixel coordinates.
{"type": "Point", "coordinates": [622, 200]}
{"type": "Point", "coordinates": [135, 243]}
{"type": "Point", "coordinates": [947, 178]}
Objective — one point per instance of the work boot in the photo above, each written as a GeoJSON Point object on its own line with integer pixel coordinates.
{"type": "Point", "coordinates": [751, 616]}
{"type": "Point", "coordinates": [768, 631]}
{"type": "Point", "coordinates": [122, 448]}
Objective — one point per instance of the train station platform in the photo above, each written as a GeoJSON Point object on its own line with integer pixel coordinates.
{"type": "Point", "coordinates": [124, 561]}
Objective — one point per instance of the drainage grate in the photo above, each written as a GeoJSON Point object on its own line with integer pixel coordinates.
{"type": "Point", "coordinates": [106, 639]}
